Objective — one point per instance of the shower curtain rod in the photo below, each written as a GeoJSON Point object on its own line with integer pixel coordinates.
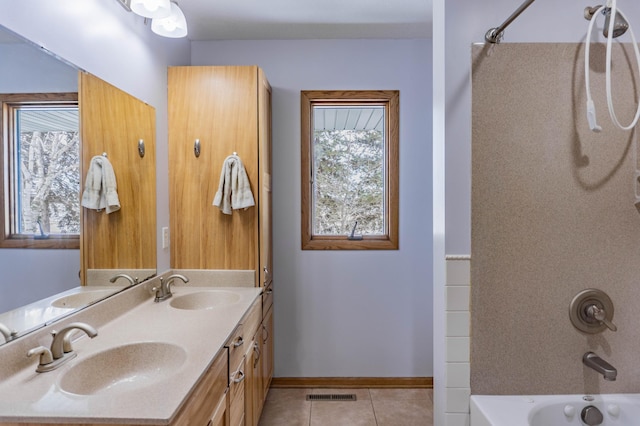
{"type": "Point", "coordinates": [494, 35]}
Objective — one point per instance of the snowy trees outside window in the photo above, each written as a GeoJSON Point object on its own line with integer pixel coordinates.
{"type": "Point", "coordinates": [41, 164]}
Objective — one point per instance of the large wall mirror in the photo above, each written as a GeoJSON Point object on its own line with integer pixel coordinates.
{"type": "Point", "coordinates": [61, 257]}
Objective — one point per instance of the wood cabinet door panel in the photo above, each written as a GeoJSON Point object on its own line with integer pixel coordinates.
{"type": "Point", "coordinates": [112, 122]}
{"type": "Point", "coordinates": [218, 107]}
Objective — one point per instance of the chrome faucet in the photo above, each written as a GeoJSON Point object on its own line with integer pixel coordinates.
{"type": "Point", "coordinates": [593, 361]}
{"type": "Point", "coordinates": [61, 350]}
{"type": "Point", "coordinates": [7, 332]}
{"type": "Point", "coordinates": [164, 291]}
{"type": "Point", "coordinates": [129, 278]}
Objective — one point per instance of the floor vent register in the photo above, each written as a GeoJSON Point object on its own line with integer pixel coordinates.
{"type": "Point", "coordinates": [331, 397]}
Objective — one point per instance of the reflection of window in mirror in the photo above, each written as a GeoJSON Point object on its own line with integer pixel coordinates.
{"type": "Point", "coordinates": [350, 169]}
{"type": "Point", "coordinates": [40, 171]}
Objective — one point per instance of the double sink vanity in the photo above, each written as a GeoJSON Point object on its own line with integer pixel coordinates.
{"type": "Point", "coordinates": [179, 361]}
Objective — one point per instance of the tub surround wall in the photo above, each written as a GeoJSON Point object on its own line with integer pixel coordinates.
{"type": "Point", "coordinates": [552, 214]}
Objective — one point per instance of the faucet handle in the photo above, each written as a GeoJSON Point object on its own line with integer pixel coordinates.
{"type": "Point", "coordinates": [599, 314]}
{"type": "Point", "coordinates": [45, 354]}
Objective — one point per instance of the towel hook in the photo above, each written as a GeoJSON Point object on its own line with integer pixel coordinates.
{"type": "Point", "coordinates": [141, 148]}
{"type": "Point", "coordinates": [104, 154]}
{"type": "Point", "coordinates": [196, 148]}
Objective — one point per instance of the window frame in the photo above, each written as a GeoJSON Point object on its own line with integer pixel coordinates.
{"type": "Point", "coordinates": [390, 99]}
{"type": "Point", "coordinates": [7, 195]}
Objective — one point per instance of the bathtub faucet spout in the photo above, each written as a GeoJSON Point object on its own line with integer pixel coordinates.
{"type": "Point", "coordinates": [607, 370]}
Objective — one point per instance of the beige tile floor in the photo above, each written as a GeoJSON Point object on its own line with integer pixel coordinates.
{"type": "Point", "coordinates": [374, 407]}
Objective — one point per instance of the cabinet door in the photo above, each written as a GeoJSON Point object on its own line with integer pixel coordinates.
{"type": "Point", "coordinates": [220, 416]}
{"type": "Point", "coordinates": [218, 107]}
{"type": "Point", "coordinates": [204, 402]}
{"type": "Point", "coordinates": [266, 239]}
{"type": "Point", "coordinates": [267, 352]}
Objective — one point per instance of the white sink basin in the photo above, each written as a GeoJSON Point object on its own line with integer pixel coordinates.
{"type": "Point", "coordinates": [80, 299]}
{"type": "Point", "coordinates": [123, 368]}
{"type": "Point", "coordinates": [208, 299]}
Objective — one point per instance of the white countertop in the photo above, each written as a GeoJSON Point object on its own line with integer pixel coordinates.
{"type": "Point", "coordinates": [30, 396]}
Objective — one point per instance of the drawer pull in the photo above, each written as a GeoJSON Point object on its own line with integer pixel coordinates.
{"type": "Point", "coordinates": [256, 349]}
{"type": "Point", "coordinates": [265, 330]}
{"type": "Point", "coordinates": [239, 379]}
{"type": "Point", "coordinates": [239, 342]}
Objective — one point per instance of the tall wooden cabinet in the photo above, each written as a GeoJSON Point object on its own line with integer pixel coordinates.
{"type": "Point", "coordinates": [215, 111]}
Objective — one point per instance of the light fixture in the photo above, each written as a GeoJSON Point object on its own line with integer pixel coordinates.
{"type": "Point", "coordinates": [174, 25]}
{"type": "Point", "coordinates": [151, 8]}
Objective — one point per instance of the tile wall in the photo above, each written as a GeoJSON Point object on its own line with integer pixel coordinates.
{"type": "Point", "coordinates": [457, 374]}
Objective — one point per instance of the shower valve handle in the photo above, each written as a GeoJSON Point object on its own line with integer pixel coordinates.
{"type": "Point", "coordinates": [599, 314]}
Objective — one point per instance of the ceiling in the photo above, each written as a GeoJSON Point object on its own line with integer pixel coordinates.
{"type": "Point", "coordinates": [306, 19]}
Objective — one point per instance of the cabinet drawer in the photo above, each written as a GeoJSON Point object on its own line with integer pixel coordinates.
{"type": "Point", "coordinates": [202, 402]}
{"type": "Point", "coordinates": [252, 319]}
{"type": "Point", "coordinates": [236, 394]}
{"type": "Point", "coordinates": [237, 345]}
{"type": "Point", "coordinates": [267, 299]}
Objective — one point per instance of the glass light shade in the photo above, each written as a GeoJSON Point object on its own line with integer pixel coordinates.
{"type": "Point", "coordinates": [151, 8]}
{"type": "Point", "coordinates": [174, 26]}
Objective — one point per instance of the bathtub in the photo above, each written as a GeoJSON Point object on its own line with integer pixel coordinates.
{"type": "Point", "coordinates": [553, 410]}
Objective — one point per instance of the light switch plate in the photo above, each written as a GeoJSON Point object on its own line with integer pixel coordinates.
{"type": "Point", "coordinates": [165, 237]}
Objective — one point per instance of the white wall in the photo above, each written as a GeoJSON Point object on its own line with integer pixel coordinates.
{"type": "Point", "coordinates": [25, 69]}
{"type": "Point", "coordinates": [99, 36]}
{"type": "Point", "coordinates": [347, 313]}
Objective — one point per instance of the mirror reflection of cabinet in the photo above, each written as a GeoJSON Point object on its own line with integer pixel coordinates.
{"type": "Point", "coordinates": [113, 122]}
{"type": "Point", "coordinates": [48, 276]}
{"type": "Point", "coordinates": [227, 109]}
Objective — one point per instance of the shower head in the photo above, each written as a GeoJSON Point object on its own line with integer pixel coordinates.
{"type": "Point", "coordinates": [620, 25]}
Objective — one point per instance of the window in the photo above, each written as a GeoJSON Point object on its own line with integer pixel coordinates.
{"type": "Point", "coordinates": [350, 169]}
{"type": "Point", "coordinates": [40, 177]}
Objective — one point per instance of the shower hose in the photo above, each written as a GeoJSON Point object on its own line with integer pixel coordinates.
{"type": "Point", "coordinates": [591, 109]}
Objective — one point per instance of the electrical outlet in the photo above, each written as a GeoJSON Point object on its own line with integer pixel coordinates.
{"type": "Point", "coordinates": [165, 237]}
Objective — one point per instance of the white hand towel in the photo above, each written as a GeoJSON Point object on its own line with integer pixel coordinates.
{"type": "Point", "coordinates": [100, 188]}
{"type": "Point", "coordinates": [234, 189]}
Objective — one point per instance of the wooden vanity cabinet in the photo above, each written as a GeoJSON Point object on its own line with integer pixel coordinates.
{"type": "Point", "coordinates": [215, 111]}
